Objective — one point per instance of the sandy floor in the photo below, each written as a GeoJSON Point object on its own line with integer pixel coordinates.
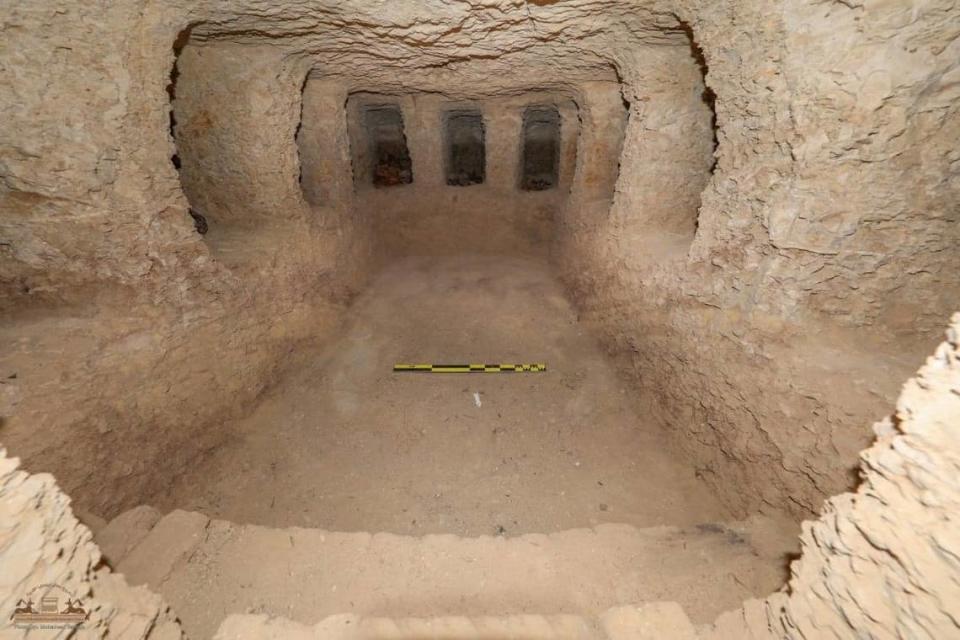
{"type": "Point", "coordinates": [345, 444]}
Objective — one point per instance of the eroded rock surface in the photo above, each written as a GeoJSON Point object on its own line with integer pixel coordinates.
{"type": "Point", "coordinates": [46, 552]}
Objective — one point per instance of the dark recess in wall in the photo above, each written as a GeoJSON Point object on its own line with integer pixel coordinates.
{"type": "Point", "coordinates": [708, 96]}
{"type": "Point", "coordinates": [178, 44]}
{"type": "Point", "coordinates": [540, 162]}
{"type": "Point", "coordinates": [199, 221]}
{"type": "Point", "coordinates": [465, 147]}
{"type": "Point", "coordinates": [296, 140]}
{"type": "Point", "coordinates": [388, 146]}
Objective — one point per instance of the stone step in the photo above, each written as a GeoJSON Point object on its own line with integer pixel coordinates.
{"type": "Point", "coordinates": [209, 569]}
{"type": "Point", "coordinates": [651, 621]}
{"type": "Point", "coordinates": [353, 627]}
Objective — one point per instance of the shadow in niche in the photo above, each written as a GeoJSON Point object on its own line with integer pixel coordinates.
{"type": "Point", "coordinates": [296, 139]}
{"type": "Point", "coordinates": [464, 139]}
{"type": "Point", "coordinates": [709, 96]}
{"type": "Point", "coordinates": [388, 146]}
{"type": "Point", "coordinates": [178, 44]}
{"type": "Point", "coordinates": [540, 154]}
{"type": "Point", "coordinates": [379, 153]}
{"type": "Point", "coordinates": [199, 220]}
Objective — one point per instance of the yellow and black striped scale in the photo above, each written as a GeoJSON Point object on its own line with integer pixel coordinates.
{"type": "Point", "coordinates": [470, 368]}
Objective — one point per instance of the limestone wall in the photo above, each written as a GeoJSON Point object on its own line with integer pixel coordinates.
{"type": "Point", "coordinates": [237, 109]}
{"type": "Point", "coordinates": [882, 562]}
{"type": "Point", "coordinates": [323, 144]}
{"type": "Point", "coordinates": [763, 354]}
{"type": "Point", "coordinates": [44, 551]}
{"type": "Point", "coordinates": [129, 337]}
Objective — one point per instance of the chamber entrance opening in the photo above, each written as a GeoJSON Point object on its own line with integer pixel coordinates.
{"type": "Point", "coordinates": [466, 161]}
{"type": "Point", "coordinates": [391, 164]}
{"type": "Point", "coordinates": [541, 148]}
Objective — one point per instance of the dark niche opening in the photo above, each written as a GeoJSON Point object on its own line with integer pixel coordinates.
{"type": "Point", "coordinates": [708, 96]}
{"type": "Point", "coordinates": [178, 44]}
{"type": "Point", "coordinates": [183, 38]}
{"type": "Point", "coordinates": [391, 164]}
{"type": "Point", "coordinates": [540, 154]}
{"type": "Point", "coordinates": [466, 154]}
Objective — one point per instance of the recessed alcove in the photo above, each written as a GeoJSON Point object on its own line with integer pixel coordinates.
{"type": "Point", "coordinates": [381, 157]}
{"type": "Point", "coordinates": [540, 140]}
{"type": "Point", "coordinates": [465, 151]}
{"type": "Point", "coordinates": [391, 158]}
